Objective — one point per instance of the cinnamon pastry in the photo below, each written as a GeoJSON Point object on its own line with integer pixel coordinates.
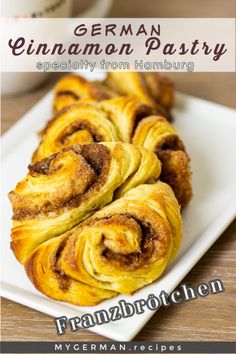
{"type": "Point", "coordinates": [78, 123]}
{"type": "Point", "coordinates": [125, 112]}
{"type": "Point", "coordinates": [66, 188]}
{"type": "Point", "coordinates": [153, 89]}
{"type": "Point", "coordinates": [156, 134]}
{"type": "Point", "coordinates": [136, 124]}
{"type": "Point", "coordinates": [125, 119]}
{"type": "Point", "coordinates": [90, 218]}
{"type": "Point", "coordinates": [71, 88]}
{"type": "Point", "coordinates": [120, 249]}
{"type": "Point", "coordinates": [160, 88]}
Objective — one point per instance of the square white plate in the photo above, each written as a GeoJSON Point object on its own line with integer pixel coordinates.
{"type": "Point", "coordinates": [208, 131]}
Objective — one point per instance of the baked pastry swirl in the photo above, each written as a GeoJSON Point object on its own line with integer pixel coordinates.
{"type": "Point", "coordinates": [156, 134]}
{"type": "Point", "coordinates": [136, 124]}
{"type": "Point", "coordinates": [120, 249]}
{"type": "Point", "coordinates": [125, 119]}
{"type": "Point", "coordinates": [78, 123]}
{"type": "Point", "coordinates": [66, 188]}
{"type": "Point", "coordinates": [88, 121]}
{"type": "Point", "coordinates": [72, 88]}
{"type": "Point", "coordinates": [153, 89]}
{"type": "Point", "coordinates": [91, 218]}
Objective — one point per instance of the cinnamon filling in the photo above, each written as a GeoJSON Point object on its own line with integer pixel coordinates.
{"type": "Point", "coordinates": [95, 155]}
{"type": "Point", "coordinates": [149, 247]}
{"type": "Point", "coordinates": [56, 116]}
{"type": "Point", "coordinates": [98, 92]}
{"type": "Point", "coordinates": [171, 142]}
{"type": "Point", "coordinates": [43, 167]}
{"type": "Point", "coordinates": [143, 111]}
{"type": "Point", "coordinates": [68, 93]}
{"type": "Point", "coordinates": [72, 128]}
{"type": "Point", "coordinates": [63, 280]}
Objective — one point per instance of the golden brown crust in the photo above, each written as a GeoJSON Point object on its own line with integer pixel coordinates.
{"type": "Point", "coordinates": [120, 249]}
{"type": "Point", "coordinates": [85, 224]}
{"type": "Point", "coordinates": [125, 113]}
{"type": "Point", "coordinates": [79, 123]}
{"type": "Point", "coordinates": [71, 88]}
{"type": "Point", "coordinates": [153, 89]}
{"type": "Point", "coordinates": [176, 172]}
{"type": "Point", "coordinates": [43, 271]}
{"type": "Point", "coordinates": [124, 119]}
{"type": "Point", "coordinates": [66, 188]}
{"type": "Point", "coordinates": [156, 134]}
{"type": "Point", "coordinates": [160, 88]}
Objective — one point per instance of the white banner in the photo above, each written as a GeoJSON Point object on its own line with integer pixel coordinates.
{"type": "Point", "coordinates": [118, 44]}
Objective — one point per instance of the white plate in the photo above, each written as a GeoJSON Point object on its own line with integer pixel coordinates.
{"type": "Point", "coordinates": [208, 131]}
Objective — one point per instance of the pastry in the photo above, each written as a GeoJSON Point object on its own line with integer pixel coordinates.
{"type": "Point", "coordinates": [156, 134]}
{"type": "Point", "coordinates": [126, 119]}
{"type": "Point", "coordinates": [120, 249]}
{"type": "Point", "coordinates": [67, 187]}
{"type": "Point", "coordinates": [72, 88]}
{"type": "Point", "coordinates": [136, 124]}
{"type": "Point", "coordinates": [78, 123]}
{"type": "Point", "coordinates": [153, 89]}
{"type": "Point", "coordinates": [92, 219]}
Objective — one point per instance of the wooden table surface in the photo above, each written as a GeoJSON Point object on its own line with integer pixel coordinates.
{"type": "Point", "coordinates": [209, 318]}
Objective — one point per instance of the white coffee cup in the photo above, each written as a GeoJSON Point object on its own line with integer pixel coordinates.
{"type": "Point", "coordinates": [19, 82]}
{"type": "Point", "coordinates": [36, 8]}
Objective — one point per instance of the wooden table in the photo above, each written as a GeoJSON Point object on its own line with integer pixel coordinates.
{"type": "Point", "coordinates": [209, 318]}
